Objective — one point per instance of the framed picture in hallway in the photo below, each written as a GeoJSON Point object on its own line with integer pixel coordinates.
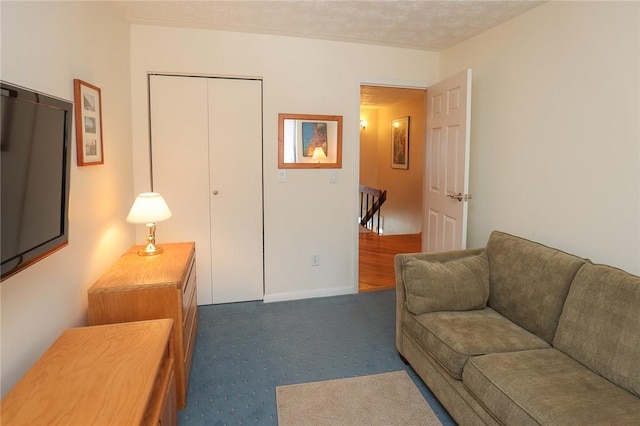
{"type": "Point", "coordinates": [400, 143]}
{"type": "Point", "coordinates": [88, 115]}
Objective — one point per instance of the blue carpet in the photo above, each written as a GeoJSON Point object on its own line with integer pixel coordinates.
{"type": "Point", "coordinates": [244, 350]}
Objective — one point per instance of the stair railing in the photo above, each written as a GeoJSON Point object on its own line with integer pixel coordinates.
{"type": "Point", "coordinates": [371, 200]}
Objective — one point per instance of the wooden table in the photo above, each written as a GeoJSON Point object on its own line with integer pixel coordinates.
{"type": "Point", "coordinates": [120, 374]}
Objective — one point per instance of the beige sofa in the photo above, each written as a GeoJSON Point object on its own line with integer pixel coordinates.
{"type": "Point", "coordinates": [518, 333]}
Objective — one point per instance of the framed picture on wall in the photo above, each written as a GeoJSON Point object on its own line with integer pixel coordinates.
{"type": "Point", "coordinates": [400, 143]}
{"type": "Point", "coordinates": [309, 141]}
{"type": "Point", "coordinates": [314, 135]}
{"type": "Point", "coordinates": [88, 115]}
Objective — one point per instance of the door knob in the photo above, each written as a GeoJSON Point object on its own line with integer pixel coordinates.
{"type": "Point", "coordinates": [215, 192]}
{"type": "Point", "coordinates": [459, 196]}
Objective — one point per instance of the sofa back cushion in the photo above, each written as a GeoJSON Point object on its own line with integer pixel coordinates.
{"type": "Point", "coordinates": [454, 285]}
{"type": "Point", "coordinates": [529, 282]}
{"type": "Point", "coordinates": [600, 324]}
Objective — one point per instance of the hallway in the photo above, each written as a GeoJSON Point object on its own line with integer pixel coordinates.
{"type": "Point", "coordinates": [376, 254]}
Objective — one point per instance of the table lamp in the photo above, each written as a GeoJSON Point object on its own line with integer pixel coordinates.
{"type": "Point", "coordinates": [149, 208]}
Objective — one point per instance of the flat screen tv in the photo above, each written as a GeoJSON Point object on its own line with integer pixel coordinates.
{"type": "Point", "coordinates": [35, 146]}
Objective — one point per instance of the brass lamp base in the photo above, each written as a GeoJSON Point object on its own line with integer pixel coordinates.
{"type": "Point", "coordinates": [150, 249]}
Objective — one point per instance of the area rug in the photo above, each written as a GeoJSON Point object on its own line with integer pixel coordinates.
{"type": "Point", "coordinates": [379, 399]}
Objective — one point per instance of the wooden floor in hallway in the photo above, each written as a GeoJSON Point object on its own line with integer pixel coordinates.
{"type": "Point", "coordinates": [376, 254]}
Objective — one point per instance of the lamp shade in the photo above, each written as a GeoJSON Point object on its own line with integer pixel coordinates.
{"type": "Point", "coordinates": [318, 154]}
{"type": "Point", "coordinates": [149, 207]}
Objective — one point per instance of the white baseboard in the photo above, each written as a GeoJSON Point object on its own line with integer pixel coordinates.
{"type": "Point", "coordinates": [308, 294]}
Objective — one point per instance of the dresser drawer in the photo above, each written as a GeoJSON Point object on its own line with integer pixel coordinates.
{"type": "Point", "coordinates": [190, 319]}
{"type": "Point", "coordinates": [190, 336]}
{"type": "Point", "coordinates": [162, 409]}
{"type": "Point", "coordinates": [189, 292]}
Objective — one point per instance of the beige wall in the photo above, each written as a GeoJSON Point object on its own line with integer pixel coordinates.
{"type": "Point", "coordinates": [44, 47]}
{"type": "Point", "coordinates": [555, 138]}
{"type": "Point", "coordinates": [329, 85]}
{"type": "Point", "coordinates": [402, 210]}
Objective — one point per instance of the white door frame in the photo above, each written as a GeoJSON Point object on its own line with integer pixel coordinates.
{"type": "Point", "coordinates": [405, 84]}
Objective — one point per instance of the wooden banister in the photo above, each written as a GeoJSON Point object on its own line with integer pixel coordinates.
{"type": "Point", "coordinates": [371, 201]}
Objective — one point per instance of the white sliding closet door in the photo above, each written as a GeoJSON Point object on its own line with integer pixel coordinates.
{"type": "Point", "coordinates": [206, 143]}
{"type": "Point", "coordinates": [235, 158]}
{"type": "Point", "coordinates": [180, 166]}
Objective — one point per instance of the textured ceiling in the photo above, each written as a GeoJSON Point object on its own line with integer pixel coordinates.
{"type": "Point", "coordinates": [420, 24]}
{"type": "Point", "coordinates": [376, 96]}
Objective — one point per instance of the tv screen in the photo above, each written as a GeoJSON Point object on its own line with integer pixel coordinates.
{"type": "Point", "coordinates": [35, 135]}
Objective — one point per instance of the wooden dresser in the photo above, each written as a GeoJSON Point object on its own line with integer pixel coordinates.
{"type": "Point", "coordinates": [150, 287]}
{"type": "Point", "coordinates": [120, 374]}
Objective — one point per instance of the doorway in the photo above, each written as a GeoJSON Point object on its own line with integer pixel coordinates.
{"type": "Point", "coordinates": [400, 225]}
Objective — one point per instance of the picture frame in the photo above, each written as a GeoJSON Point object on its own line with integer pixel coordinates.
{"type": "Point", "coordinates": [314, 134]}
{"type": "Point", "coordinates": [400, 143]}
{"type": "Point", "coordinates": [88, 115]}
{"type": "Point", "coordinates": [300, 134]}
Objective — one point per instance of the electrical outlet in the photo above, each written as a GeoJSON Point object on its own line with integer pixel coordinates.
{"type": "Point", "coordinates": [315, 259]}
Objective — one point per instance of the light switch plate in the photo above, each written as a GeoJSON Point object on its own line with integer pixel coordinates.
{"type": "Point", "coordinates": [282, 176]}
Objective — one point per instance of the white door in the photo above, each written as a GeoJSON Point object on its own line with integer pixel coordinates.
{"type": "Point", "coordinates": [188, 166]}
{"type": "Point", "coordinates": [180, 166]}
{"type": "Point", "coordinates": [447, 164]}
{"type": "Point", "coordinates": [235, 155]}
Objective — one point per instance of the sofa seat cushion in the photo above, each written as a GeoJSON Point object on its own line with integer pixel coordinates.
{"type": "Point", "coordinates": [454, 285]}
{"type": "Point", "coordinates": [545, 386]}
{"type": "Point", "coordinates": [453, 337]}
